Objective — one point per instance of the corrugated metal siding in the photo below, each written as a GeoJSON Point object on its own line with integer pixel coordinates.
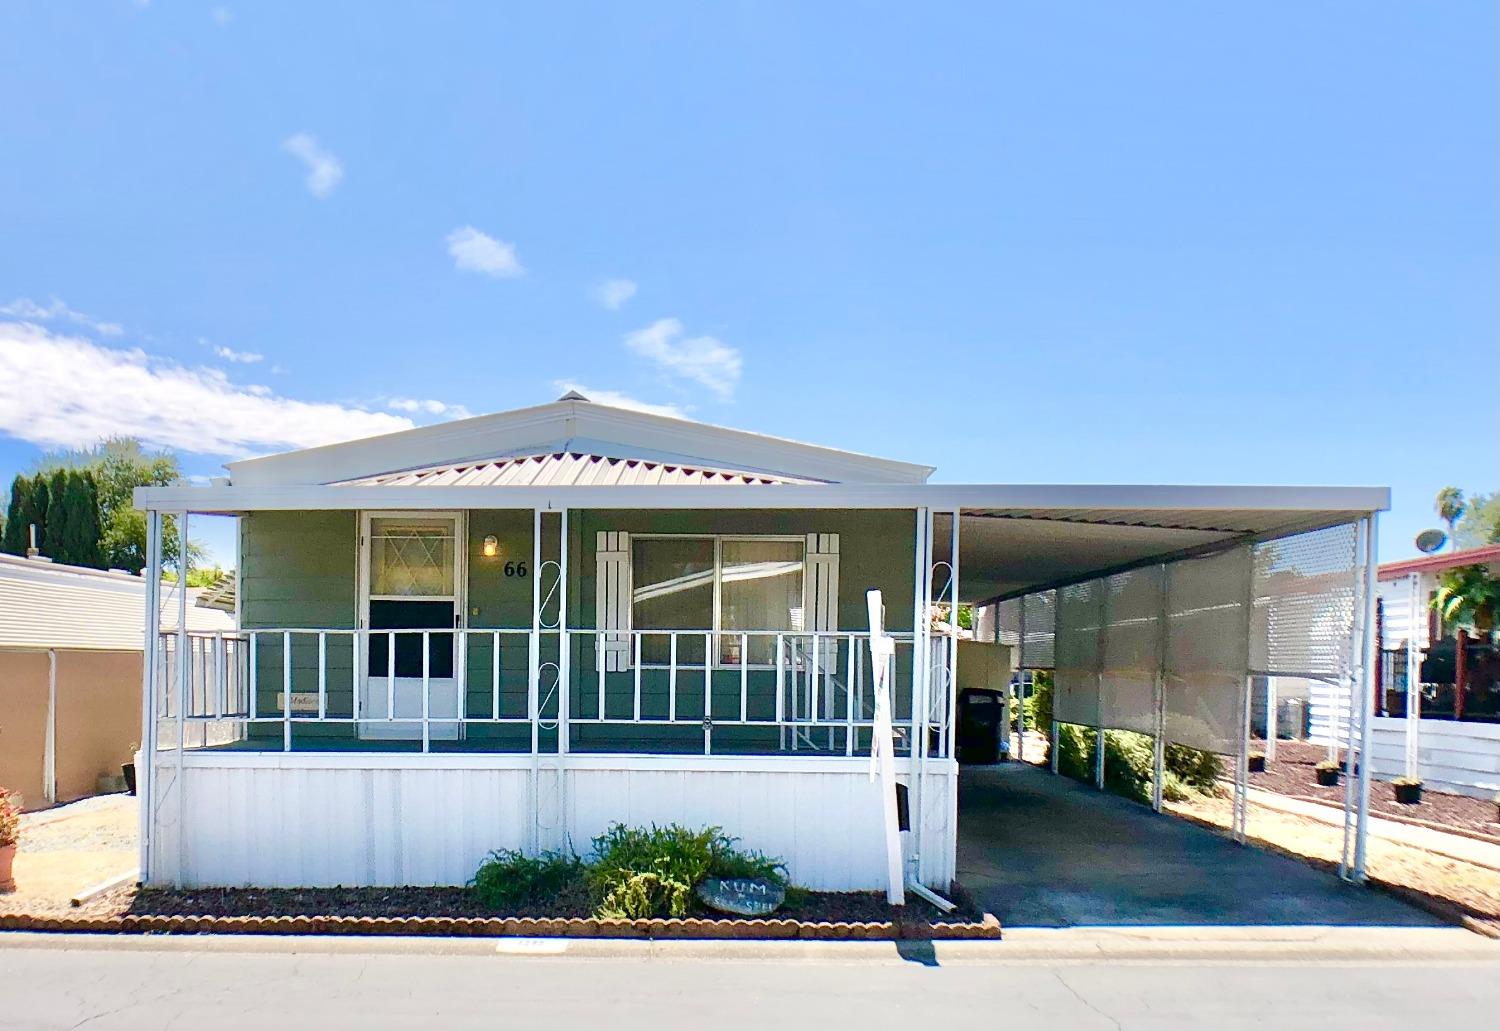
{"type": "Point", "coordinates": [567, 468]}
{"type": "Point", "coordinates": [49, 606]}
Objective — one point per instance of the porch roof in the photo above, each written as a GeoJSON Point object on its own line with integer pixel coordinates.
{"type": "Point", "coordinates": [1013, 537]}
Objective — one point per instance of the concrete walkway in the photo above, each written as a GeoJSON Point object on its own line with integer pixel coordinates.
{"type": "Point", "coordinates": [1044, 851]}
{"type": "Point", "coordinates": [1454, 846]}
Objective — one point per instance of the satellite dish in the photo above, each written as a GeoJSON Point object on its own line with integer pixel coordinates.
{"type": "Point", "coordinates": [1429, 541]}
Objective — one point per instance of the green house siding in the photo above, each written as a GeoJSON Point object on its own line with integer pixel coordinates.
{"type": "Point", "coordinates": [876, 550]}
{"type": "Point", "coordinates": [300, 569]}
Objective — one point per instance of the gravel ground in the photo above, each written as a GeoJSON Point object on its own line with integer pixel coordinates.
{"type": "Point", "coordinates": [1292, 774]}
{"type": "Point", "coordinates": [71, 848]}
{"type": "Point", "coordinates": [1473, 889]}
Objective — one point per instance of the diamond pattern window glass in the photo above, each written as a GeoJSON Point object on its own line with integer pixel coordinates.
{"type": "Point", "coordinates": [411, 558]}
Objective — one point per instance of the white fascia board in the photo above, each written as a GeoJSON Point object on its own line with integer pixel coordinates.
{"type": "Point", "coordinates": [553, 426]}
{"type": "Point", "coordinates": [241, 498]}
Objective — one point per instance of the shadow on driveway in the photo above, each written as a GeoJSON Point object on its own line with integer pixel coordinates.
{"type": "Point", "coordinates": [1044, 851]}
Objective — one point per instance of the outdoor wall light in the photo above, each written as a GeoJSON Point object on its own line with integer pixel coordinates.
{"type": "Point", "coordinates": [491, 547]}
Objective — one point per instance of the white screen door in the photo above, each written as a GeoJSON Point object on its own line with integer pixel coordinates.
{"type": "Point", "coordinates": [412, 583]}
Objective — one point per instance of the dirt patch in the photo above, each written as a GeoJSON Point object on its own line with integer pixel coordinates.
{"type": "Point", "coordinates": [1448, 887]}
{"type": "Point", "coordinates": [1292, 774]}
{"type": "Point", "coordinates": [454, 911]}
{"type": "Point", "coordinates": [71, 848]}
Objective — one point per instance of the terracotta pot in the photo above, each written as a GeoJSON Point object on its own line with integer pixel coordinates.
{"type": "Point", "coordinates": [7, 858]}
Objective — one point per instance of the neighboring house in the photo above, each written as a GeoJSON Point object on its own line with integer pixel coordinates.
{"type": "Point", "coordinates": [70, 674]}
{"type": "Point", "coordinates": [1452, 740]}
{"type": "Point", "coordinates": [512, 630]}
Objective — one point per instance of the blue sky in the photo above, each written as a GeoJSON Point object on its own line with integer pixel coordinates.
{"type": "Point", "coordinates": [1024, 242]}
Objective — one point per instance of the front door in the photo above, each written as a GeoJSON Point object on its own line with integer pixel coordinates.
{"type": "Point", "coordinates": [413, 581]}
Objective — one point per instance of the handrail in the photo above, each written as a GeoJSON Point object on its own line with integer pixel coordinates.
{"type": "Point", "coordinates": [811, 686]}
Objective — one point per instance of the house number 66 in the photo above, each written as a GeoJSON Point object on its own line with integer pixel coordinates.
{"type": "Point", "coordinates": [515, 569]}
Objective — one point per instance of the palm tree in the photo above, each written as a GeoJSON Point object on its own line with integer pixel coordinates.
{"type": "Point", "coordinates": [1450, 507]}
{"type": "Point", "coordinates": [1468, 597]}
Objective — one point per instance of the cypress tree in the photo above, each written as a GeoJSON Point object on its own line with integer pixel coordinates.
{"type": "Point", "coordinates": [73, 520]}
{"type": "Point", "coordinates": [14, 540]}
{"type": "Point", "coordinates": [41, 506]}
{"type": "Point", "coordinates": [58, 546]}
{"type": "Point", "coordinates": [88, 532]}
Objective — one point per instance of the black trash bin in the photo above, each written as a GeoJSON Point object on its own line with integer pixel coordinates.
{"type": "Point", "coordinates": [981, 726]}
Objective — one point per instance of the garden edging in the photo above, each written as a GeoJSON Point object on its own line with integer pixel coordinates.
{"type": "Point", "coordinates": [519, 927]}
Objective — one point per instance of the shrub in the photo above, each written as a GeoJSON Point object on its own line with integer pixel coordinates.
{"type": "Point", "coordinates": [10, 817]}
{"type": "Point", "coordinates": [1128, 760]}
{"type": "Point", "coordinates": [507, 879]}
{"type": "Point", "coordinates": [638, 873]}
{"type": "Point", "coordinates": [1328, 765]}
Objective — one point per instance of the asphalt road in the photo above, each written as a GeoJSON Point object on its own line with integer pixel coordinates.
{"type": "Point", "coordinates": [133, 988]}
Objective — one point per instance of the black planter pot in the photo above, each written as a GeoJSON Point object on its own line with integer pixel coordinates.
{"type": "Point", "coordinates": [128, 769]}
{"type": "Point", "coordinates": [1328, 778]}
{"type": "Point", "coordinates": [1257, 764]}
{"type": "Point", "coordinates": [1407, 794]}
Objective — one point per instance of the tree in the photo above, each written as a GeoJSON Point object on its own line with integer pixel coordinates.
{"type": "Point", "coordinates": [14, 540]}
{"type": "Point", "coordinates": [75, 520]}
{"type": "Point", "coordinates": [1449, 505]}
{"type": "Point", "coordinates": [1468, 597]}
{"type": "Point", "coordinates": [118, 465]}
{"type": "Point", "coordinates": [1480, 523]}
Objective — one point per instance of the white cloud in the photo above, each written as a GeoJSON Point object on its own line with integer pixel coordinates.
{"type": "Point", "coordinates": [66, 391]}
{"type": "Point", "coordinates": [428, 407]}
{"type": "Point", "coordinates": [612, 293]}
{"type": "Point", "coordinates": [26, 308]}
{"type": "Point", "coordinates": [618, 400]}
{"type": "Point", "coordinates": [703, 360]}
{"type": "Point", "coordinates": [238, 357]}
{"type": "Point", "coordinates": [324, 171]}
{"type": "Point", "coordinates": [474, 251]}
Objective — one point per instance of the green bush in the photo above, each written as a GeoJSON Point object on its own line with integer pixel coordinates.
{"type": "Point", "coordinates": [507, 879]}
{"type": "Point", "coordinates": [1128, 761]}
{"type": "Point", "coordinates": [636, 872]}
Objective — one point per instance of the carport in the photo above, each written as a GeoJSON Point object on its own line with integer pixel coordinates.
{"type": "Point", "coordinates": [1155, 609]}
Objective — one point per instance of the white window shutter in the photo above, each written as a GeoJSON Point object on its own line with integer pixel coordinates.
{"type": "Point", "coordinates": [821, 582]}
{"type": "Point", "coordinates": [612, 594]}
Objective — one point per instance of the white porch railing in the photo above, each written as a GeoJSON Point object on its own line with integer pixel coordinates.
{"type": "Point", "coordinates": [814, 689]}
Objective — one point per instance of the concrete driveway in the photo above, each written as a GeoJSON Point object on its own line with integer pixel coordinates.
{"type": "Point", "coordinates": [1043, 851]}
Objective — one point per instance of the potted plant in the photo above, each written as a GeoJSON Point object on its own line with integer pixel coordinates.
{"type": "Point", "coordinates": [1327, 772]}
{"type": "Point", "coordinates": [10, 833]}
{"type": "Point", "coordinates": [1257, 762]}
{"type": "Point", "coordinates": [1408, 790]}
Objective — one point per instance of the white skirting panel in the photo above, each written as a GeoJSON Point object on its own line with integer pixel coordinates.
{"type": "Point", "coordinates": [315, 821]}
{"type": "Point", "coordinates": [1461, 758]}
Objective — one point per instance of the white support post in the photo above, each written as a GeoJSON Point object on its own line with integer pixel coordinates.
{"type": "Point", "coordinates": [1020, 679]}
{"type": "Point", "coordinates": [145, 762]}
{"type": "Point", "coordinates": [1351, 683]}
{"type": "Point", "coordinates": [1366, 695]}
{"type": "Point", "coordinates": [1100, 647]}
{"type": "Point", "coordinates": [564, 653]}
{"type": "Point", "coordinates": [1413, 721]}
{"type": "Point", "coordinates": [1159, 700]}
{"type": "Point", "coordinates": [180, 788]}
{"type": "Point", "coordinates": [533, 673]}
{"type": "Point", "coordinates": [1272, 730]}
